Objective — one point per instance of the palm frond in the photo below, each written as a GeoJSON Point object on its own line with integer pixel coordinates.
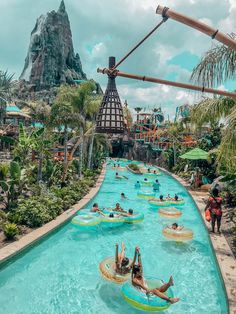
{"type": "Point", "coordinates": [227, 148]}
{"type": "Point", "coordinates": [5, 83]}
{"type": "Point", "coordinates": [216, 66]}
{"type": "Point", "coordinates": [211, 110]}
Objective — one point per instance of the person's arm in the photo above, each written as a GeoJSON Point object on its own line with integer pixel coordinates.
{"type": "Point", "coordinates": [207, 205]}
{"type": "Point", "coordinates": [116, 256]}
{"type": "Point", "coordinates": [137, 283]}
{"type": "Point", "coordinates": [140, 263]}
{"type": "Point", "coordinates": [134, 259]}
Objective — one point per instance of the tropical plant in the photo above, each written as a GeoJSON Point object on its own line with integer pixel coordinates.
{"type": "Point", "coordinates": [216, 66]}
{"type": "Point", "coordinates": [23, 144]}
{"type": "Point", "coordinates": [42, 143]}
{"type": "Point", "coordinates": [4, 168]}
{"type": "Point", "coordinates": [62, 115]}
{"type": "Point", "coordinates": [39, 111]}
{"type": "Point", "coordinates": [85, 105]}
{"type": "Point", "coordinates": [10, 230]}
{"type": "Point", "coordinates": [13, 185]}
{"type": "Point", "coordinates": [6, 84]}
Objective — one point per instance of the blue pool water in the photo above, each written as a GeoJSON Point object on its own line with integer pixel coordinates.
{"type": "Point", "coordinates": [61, 276]}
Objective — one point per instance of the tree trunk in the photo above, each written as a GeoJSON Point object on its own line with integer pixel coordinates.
{"type": "Point", "coordinates": [174, 153]}
{"type": "Point", "coordinates": [91, 149]}
{"type": "Point", "coordinates": [65, 146]}
{"type": "Point", "coordinates": [40, 168]}
{"type": "Point", "coordinates": [81, 150]}
{"type": "Point", "coordinates": [72, 154]}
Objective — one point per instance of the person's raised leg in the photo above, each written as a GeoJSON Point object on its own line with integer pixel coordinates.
{"type": "Point", "coordinates": [163, 296]}
{"type": "Point", "coordinates": [167, 285]}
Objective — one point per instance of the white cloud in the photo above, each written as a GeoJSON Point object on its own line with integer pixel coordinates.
{"type": "Point", "coordinates": [112, 28]}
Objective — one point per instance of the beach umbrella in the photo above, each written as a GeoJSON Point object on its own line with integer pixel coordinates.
{"type": "Point", "coordinates": [195, 154]}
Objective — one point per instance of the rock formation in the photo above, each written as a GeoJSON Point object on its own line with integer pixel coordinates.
{"type": "Point", "coordinates": [51, 60]}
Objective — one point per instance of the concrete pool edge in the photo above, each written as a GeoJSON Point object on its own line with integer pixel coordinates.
{"type": "Point", "coordinates": [13, 249]}
{"type": "Point", "coordinates": [223, 253]}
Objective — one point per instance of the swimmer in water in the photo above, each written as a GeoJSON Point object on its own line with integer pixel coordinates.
{"type": "Point", "coordinates": [95, 208]}
{"type": "Point", "coordinates": [156, 186]}
{"type": "Point", "coordinates": [175, 226]}
{"type": "Point", "coordinates": [118, 208]}
{"type": "Point", "coordinates": [128, 214]}
{"type": "Point", "coordinates": [122, 195]}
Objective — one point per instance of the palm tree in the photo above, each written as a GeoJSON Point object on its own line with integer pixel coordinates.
{"type": "Point", "coordinates": [62, 115]}
{"type": "Point", "coordinates": [93, 108]}
{"type": "Point", "coordinates": [39, 111]}
{"type": "Point", "coordinates": [5, 84]}
{"type": "Point", "coordinates": [216, 66]}
{"type": "Point", "coordinates": [81, 103]}
{"type": "Point", "coordinates": [5, 87]}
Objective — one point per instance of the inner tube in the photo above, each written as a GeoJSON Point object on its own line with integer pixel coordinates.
{"type": "Point", "coordinates": [170, 212]}
{"type": "Point", "coordinates": [119, 178]}
{"type": "Point", "coordinates": [146, 183]}
{"type": "Point", "coordinates": [157, 202]}
{"type": "Point", "coordinates": [151, 174]}
{"type": "Point", "coordinates": [146, 195]}
{"type": "Point", "coordinates": [119, 168]}
{"type": "Point", "coordinates": [112, 221]}
{"type": "Point", "coordinates": [86, 220]}
{"type": "Point", "coordinates": [179, 202]}
{"type": "Point", "coordinates": [135, 218]}
{"type": "Point", "coordinates": [138, 299]}
{"type": "Point", "coordinates": [184, 234]}
{"type": "Point", "coordinates": [107, 269]}
{"type": "Point", "coordinates": [132, 219]}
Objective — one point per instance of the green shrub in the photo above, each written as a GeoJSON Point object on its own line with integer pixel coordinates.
{"type": "Point", "coordinates": [3, 218]}
{"type": "Point", "coordinates": [10, 230]}
{"type": "Point", "coordinates": [32, 213]}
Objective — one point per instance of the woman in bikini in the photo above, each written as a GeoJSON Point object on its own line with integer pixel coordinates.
{"type": "Point", "coordinates": [214, 205]}
{"type": "Point", "coordinates": [139, 282]}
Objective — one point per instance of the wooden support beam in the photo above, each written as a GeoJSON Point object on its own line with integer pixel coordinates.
{"type": "Point", "coordinates": [201, 27]}
{"type": "Point", "coordinates": [166, 82]}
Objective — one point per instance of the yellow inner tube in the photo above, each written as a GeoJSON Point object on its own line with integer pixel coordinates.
{"type": "Point", "coordinates": [184, 234]}
{"type": "Point", "coordinates": [170, 212]}
{"type": "Point", "coordinates": [107, 269]}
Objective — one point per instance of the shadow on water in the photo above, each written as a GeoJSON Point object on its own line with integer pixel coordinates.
{"type": "Point", "coordinates": [111, 295]}
{"type": "Point", "coordinates": [183, 247]}
{"type": "Point", "coordinates": [83, 233]}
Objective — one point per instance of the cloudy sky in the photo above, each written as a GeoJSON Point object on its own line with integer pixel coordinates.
{"type": "Point", "coordinates": [102, 28]}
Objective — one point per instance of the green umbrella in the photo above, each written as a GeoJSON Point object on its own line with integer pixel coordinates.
{"type": "Point", "coordinates": [195, 154]}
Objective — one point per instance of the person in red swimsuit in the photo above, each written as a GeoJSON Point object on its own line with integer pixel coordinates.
{"type": "Point", "coordinates": [214, 205]}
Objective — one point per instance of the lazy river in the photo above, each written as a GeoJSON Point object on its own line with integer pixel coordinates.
{"type": "Point", "coordinates": [60, 275]}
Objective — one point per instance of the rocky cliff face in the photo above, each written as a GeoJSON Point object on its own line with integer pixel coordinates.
{"type": "Point", "coordinates": [51, 60]}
